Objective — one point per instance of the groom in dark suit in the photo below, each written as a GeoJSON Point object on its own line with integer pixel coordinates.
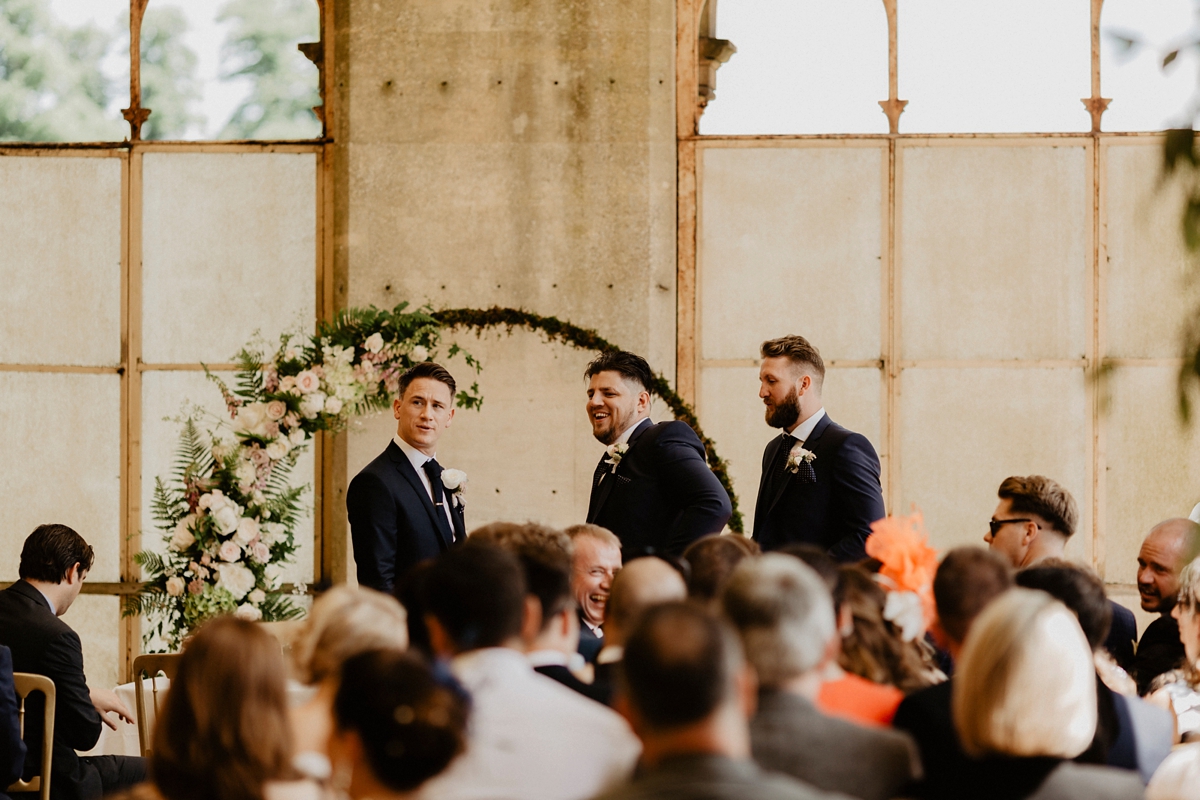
{"type": "Point", "coordinates": [652, 487]}
{"type": "Point", "coordinates": [820, 482]}
{"type": "Point", "coordinates": [403, 509]}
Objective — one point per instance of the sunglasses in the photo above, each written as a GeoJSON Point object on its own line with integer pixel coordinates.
{"type": "Point", "coordinates": [996, 524]}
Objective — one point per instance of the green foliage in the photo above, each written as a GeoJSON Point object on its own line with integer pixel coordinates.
{"type": "Point", "coordinates": [261, 48]}
{"type": "Point", "coordinates": [169, 83]}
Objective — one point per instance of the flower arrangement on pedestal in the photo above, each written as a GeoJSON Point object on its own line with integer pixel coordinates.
{"type": "Point", "coordinates": [228, 514]}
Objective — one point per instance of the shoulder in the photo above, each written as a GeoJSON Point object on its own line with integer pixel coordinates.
{"type": "Point", "coordinates": [1175, 777]}
{"type": "Point", "coordinates": [1070, 780]}
{"type": "Point", "coordinates": [670, 431]}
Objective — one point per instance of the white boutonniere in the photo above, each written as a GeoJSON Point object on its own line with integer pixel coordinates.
{"type": "Point", "coordinates": [455, 480]}
{"type": "Point", "coordinates": [615, 453]}
{"type": "Point", "coordinates": [799, 456]}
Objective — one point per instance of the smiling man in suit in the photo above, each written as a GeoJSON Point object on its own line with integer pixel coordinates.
{"type": "Point", "coordinates": [403, 509]}
{"type": "Point", "coordinates": [820, 482]}
{"type": "Point", "coordinates": [652, 487]}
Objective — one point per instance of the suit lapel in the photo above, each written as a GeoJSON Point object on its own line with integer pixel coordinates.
{"type": "Point", "coordinates": [405, 467]}
{"type": "Point", "coordinates": [600, 493]}
{"type": "Point", "coordinates": [810, 444]}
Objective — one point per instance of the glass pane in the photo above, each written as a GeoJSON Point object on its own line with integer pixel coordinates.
{"type": "Point", "coordinates": [229, 69]}
{"type": "Point", "coordinates": [975, 67]}
{"type": "Point", "coordinates": [1145, 96]}
{"type": "Point", "coordinates": [801, 66]}
{"type": "Point", "coordinates": [60, 461]}
{"type": "Point", "coordinates": [64, 70]}
{"type": "Point", "coordinates": [229, 237]}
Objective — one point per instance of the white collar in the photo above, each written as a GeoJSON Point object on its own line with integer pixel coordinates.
{"type": "Point", "coordinates": [805, 429]}
{"type": "Point", "coordinates": [548, 658]}
{"type": "Point", "coordinates": [624, 437]}
{"type": "Point", "coordinates": [415, 456]}
{"type": "Point", "coordinates": [49, 602]}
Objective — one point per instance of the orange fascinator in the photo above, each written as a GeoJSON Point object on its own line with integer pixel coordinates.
{"type": "Point", "coordinates": [909, 564]}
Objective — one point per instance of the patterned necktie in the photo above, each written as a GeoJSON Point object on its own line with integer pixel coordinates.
{"type": "Point", "coordinates": [434, 470]}
{"type": "Point", "coordinates": [601, 468]}
{"type": "Point", "coordinates": [779, 468]}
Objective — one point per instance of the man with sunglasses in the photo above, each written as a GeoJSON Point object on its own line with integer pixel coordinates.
{"type": "Point", "coordinates": [1033, 522]}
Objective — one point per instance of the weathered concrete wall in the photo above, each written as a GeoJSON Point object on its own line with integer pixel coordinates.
{"type": "Point", "coordinates": [516, 153]}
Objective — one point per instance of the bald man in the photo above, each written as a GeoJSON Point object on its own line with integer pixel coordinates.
{"type": "Point", "coordinates": [1164, 553]}
{"type": "Point", "coordinates": [641, 584]}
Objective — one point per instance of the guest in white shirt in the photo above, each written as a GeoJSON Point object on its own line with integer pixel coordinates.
{"type": "Point", "coordinates": [530, 737]}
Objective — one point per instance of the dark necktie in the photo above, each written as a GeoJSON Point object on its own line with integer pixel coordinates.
{"type": "Point", "coordinates": [779, 467]}
{"type": "Point", "coordinates": [434, 470]}
{"type": "Point", "coordinates": [601, 468]}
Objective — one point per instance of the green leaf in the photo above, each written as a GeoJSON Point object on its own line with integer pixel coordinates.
{"type": "Point", "coordinates": [1169, 57]}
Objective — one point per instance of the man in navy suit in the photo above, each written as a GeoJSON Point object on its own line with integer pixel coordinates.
{"type": "Point", "coordinates": [820, 482]}
{"type": "Point", "coordinates": [403, 509]}
{"type": "Point", "coordinates": [652, 487]}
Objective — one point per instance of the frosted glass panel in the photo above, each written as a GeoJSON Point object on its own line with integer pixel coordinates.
{"type": "Point", "coordinates": [60, 461]}
{"type": "Point", "coordinates": [1145, 97]}
{"type": "Point", "coordinates": [60, 261]}
{"type": "Point", "coordinates": [1149, 291]}
{"type": "Point", "coordinates": [1022, 65]}
{"type": "Point", "coordinates": [994, 252]}
{"type": "Point", "coordinates": [164, 397]}
{"type": "Point", "coordinates": [1153, 462]}
{"type": "Point", "coordinates": [229, 249]}
{"type": "Point", "coordinates": [790, 242]}
{"type": "Point", "coordinates": [963, 431]}
{"type": "Point", "coordinates": [802, 66]}
{"type": "Point", "coordinates": [97, 619]}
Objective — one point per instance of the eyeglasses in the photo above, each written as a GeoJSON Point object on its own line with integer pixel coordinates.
{"type": "Point", "coordinates": [996, 524]}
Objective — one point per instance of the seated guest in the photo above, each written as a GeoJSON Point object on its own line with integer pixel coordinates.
{"type": "Point", "coordinates": [54, 562]}
{"type": "Point", "coordinates": [1165, 551]}
{"type": "Point", "coordinates": [1130, 733]}
{"type": "Point", "coordinates": [712, 560]}
{"type": "Point", "coordinates": [409, 590]}
{"type": "Point", "coordinates": [223, 730]}
{"type": "Point", "coordinates": [397, 724]}
{"type": "Point", "coordinates": [966, 581]}
{"type": "Point", "coordinates": [688, 694]}
{"type": "Point", "coordinates": [784, 616]}
{"type": "Point", "coordinates": [595, 562]}
{"type": "Point", "coordinates": [876, 666]}
{"type": "Point", "coordinates": [12, 748]}
{"type": "Point", "coordinates": [644, 582]}
{"type": "Point", "coordinates": [1024, 704]}
{"type": "Point", "coordinates": [530, 737]}
{"type": "Point", "coordinates": [551, 630]}
{"type": "Point", "coordinates": [344, 621]}
{"type": "Point", "coordinates": [1179, 689]}
{"type": "Point", "coordinates": [1035, 518]}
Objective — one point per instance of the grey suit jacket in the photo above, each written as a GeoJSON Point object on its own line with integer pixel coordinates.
{"type": "Point", "coordinates": [789, 734]}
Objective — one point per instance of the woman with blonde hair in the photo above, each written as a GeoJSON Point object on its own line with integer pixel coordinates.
{"type": "Point", "coordinates": [1024, 703]}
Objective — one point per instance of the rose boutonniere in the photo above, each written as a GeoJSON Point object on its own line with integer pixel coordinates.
{"type": "Point", "coordinates": [615, 453]}
{"type": "Point", "coordinates": [455, 480]}
{"type": "Point", "coordinates": [799, 456]}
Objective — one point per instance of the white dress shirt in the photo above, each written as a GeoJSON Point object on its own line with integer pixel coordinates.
{"type": "Point", "coordinates": [418, 459]}
{"type": "Point", "coordinates": [531, 738]}
{"type": "Point", "coordinates": [805, 429]}
{"type": "Point", "coordinates": [624, 437]}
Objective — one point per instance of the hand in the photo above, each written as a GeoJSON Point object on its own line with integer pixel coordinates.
{"type": "Point", "coordinates": [106, 700]}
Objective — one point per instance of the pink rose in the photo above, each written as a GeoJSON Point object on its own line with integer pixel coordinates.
{"type": "Point", "coordinates": [206, 559]}
{"type": "Point", "coordinates": [308, 381]}
{"type": "Point", "coordinates": [292, 420]}
{"type": "Point", "coordinates": [287, 383]}
{"type": "Point", "coordinates": [276, 409]}
{"type": "Point", "coordinates": [195, 587]}
{"type": "Point", "coordinates": [260, 552]}
{"type": "Point", "coordinates": [272, 429]}
{"type": "Point", "coordinates": [259, 457]}
{"type": "Point", "coordinates": [270, 379]}
{"type": "Point", "coordinates": [229, 551]}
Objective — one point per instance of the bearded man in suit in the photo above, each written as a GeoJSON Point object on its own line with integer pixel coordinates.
{"type": "Point", "coordinates": [404, 507]}
{"type": "Point", "coordinates": [820, 482]}
{"type": "Point", "coordinates": [652, 487]}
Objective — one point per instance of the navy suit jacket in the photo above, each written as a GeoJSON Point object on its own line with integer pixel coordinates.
{"type": "Point", "coordinates": [662, 495]}
{"type": "Point", "coordinates": [834, 512]}
{"type": "Point", "coordinates": [43, 644]}
{"type": "Point", "coordinates": [393, 523]}
{"type": "Point", "coordinates": [12, 749]}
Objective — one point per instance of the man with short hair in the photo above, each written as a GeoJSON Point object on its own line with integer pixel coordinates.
{"type": "Point", "coordinates": [54, 563]}
{"type": "Point", "coordinates": [1033, 522]}
{"type": "Point", "coordinates": [966, 581]}
{"type": "Point", "coordinates": [688, 693]}
{"type": "Point", "coordinates": [1164, 552]}
{"type": "Point", "coordinates": [820, 482]}
{"type": "Point", "coordinates": [402, 509]}
{"type": "Point", "coordinates": [784, 614]}
{"type": "Point", "coordinates": [712, 559]}
{"type": "Point", "coordinates": [594, 564]}
{"type": "Point", "coordinates": [652, 487]}
{"type": "Point", "coordinates": [531, 737]}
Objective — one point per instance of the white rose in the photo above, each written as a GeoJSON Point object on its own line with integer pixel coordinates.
{"type": "Point", "coordinates": [248, 612]}
{"type": "Point", "coordinates": [278, 448]}
{"type": "Point", "coordinates": [419, 353]}
{"type": "Point", "coordinates": [274, 576]}
{"type": "Point", "coordinates": [246, 475]}
{"type": "Point", "coordinates": [453, 478]}
{"type": "Point", "coordinates": [258, 497]}
{"type": "Point", "coordinates": [307, 381]}
{"type": "Point", "coordinates": [236, 579]}
{"type": "Point", "coordinates": [296, 437]}
{"type": "Point", "coordinates": [226, 518]}
{"type": "Point", "coordinates": [183, 538]}
{"type": "Point", "coordinates": [229, 551]}
{"type": "Point", "coordinates": [256, 597]}
{"type": "Point", "coordinates": [272, 533]}
{"type": "Point", "coordinates": [252, 418]}
{"type": "Point", "coordinates": [247, 531]}
{"type": "Point", "coordinates": [333, 406]}
{"type": "Point", "coordinates": [374, 343]}
{"type": "Point", "coordinates": [175, 586]}
{"type": "Point", "coordinates": [312, 404]}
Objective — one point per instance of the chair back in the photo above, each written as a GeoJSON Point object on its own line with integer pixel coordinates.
{"type": "Point", "coordinates": [26, 684]}
{"type": "Point", "coordinates": [148, 668]}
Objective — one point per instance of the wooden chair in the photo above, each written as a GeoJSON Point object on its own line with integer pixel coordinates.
{"type": "Point", "coordinates": [148, 668]}
{"type": "Point", "coordinates": [26, 684]}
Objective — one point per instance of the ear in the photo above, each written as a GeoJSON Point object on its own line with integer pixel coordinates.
{"type": "Point", "coordinates": [643, 401]}
{"type": "Point", "coordinates": [396, 408]}
{"type": "Point", "coordinates": [74, 575]}
{"type": "Point", "coordinates": [450, 418]}
{"type": "Point", "coordinates": [439, 640]}
{"type": "Point", "coordinates": [531, 619]}
{"type": "Point", "coordinates": [805, 384]}
{"type": "Point", "coordinates": [1031, 533]}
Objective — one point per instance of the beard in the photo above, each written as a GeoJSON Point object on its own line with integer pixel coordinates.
{"type": "Point", "coordinates": [785, 414]}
